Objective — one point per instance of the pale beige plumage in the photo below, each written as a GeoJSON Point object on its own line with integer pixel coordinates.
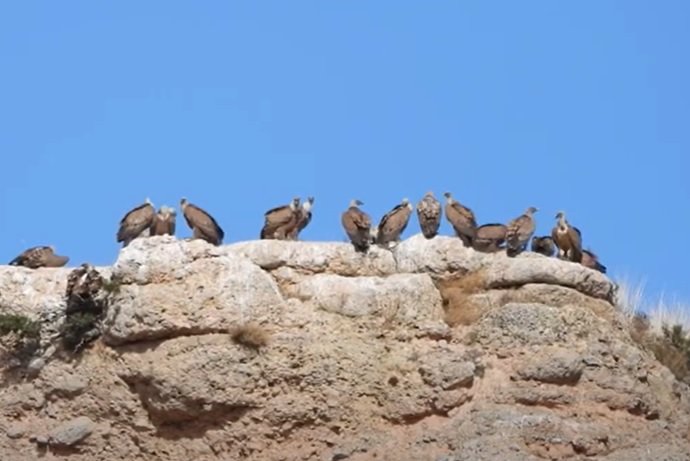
{"type": "Point", "coordinates": [303, 219]}
{"type": "Point", "coordinates": [163, 222]}
{"type": "Point", "coordinates": [429, 215]}
{"type": "Point", "coordinates": [519, 232]}
{"type": "Point", "coordinates": [567, 238]}
{"type": "Point", "coordinates": [280, 221]}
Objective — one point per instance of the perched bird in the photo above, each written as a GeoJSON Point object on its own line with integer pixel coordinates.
{"type": "Point", "coordinates": [83, 290]}
{"type": "Point", "coordinates": [589, 259]}
{"type": "Point", "coordinates": [303, 218]}
{"type": "Point", "coordinates": [136, 222]}
{"type": "Point", "coordinates": [281, 221]}
{"type": "Point", "coordinates": [429, 215]}
{"type": "Point", "coordinates": [203, 225]}
{"type": "Point", "coordinates": [567, 238]}
{"type": "Point", "coordinates": [489, 238]}
{"type": "Point", "coordinates": [393, 223]}
{"type": "Point", "coordinates": [357, 225]}
{"type": "Point", "coordinates": [519, 232]}
{"type": "Point", "coordinates": [163, 222]}
{"type": "Point", "coordinates": [543, 245]}
{"type": "Point", "coordinates": [39, 256]}
{"type": "Point", "coordinates": [461, 218]}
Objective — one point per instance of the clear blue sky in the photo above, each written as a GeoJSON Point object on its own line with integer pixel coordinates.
{"type": "Point", "coordinates": [239, 106]}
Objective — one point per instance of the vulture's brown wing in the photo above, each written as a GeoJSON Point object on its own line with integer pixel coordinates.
{"type": "Point", "coordinates": [200, 220]}
{"type": "Point", "coordinates": [135, 222]}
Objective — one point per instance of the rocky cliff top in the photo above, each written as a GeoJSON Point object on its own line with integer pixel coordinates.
{"type": "Point", "coordinates": [283, 350]}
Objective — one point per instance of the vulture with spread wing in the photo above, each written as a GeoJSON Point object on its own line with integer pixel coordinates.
{"type": "Point", "coordinates": [39, 256]}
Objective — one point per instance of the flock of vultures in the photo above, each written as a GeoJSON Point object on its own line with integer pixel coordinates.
{"type": "Point", "coordinates": [287, 221]}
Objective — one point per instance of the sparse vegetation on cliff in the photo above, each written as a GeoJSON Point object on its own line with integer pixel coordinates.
{"type": "Point", "coordinates": [661, 328]}
{"type": "Point", "coordinates": [251, 335]}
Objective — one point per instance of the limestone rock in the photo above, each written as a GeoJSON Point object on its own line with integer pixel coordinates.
{"type": "Point", "coordinates": [71, 432]}
{"type": "Point", "coordinates": [359, 363]}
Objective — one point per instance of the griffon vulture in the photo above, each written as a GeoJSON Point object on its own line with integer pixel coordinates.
{"type": "Point", "coordinates": [135, 222]}
{"type": "Point", "coordinates": [39, 256]}
{"type": "Point", "coordinates": [83, 289]}
{"type": "Point", "coordinates": [589, 259]}
{"type": "Point", "coordinates": [164, 222]}
{"type": "Point", "coordinates": [520, 232]}
{"type": "Point", "coordinates": [203, 225]}
{"type": "Point", "coordinates": [281, 221]}
{"type": "Point", "coordinates": [303, 218]}
{"type": "Point", "coordinates": [357, 225]}
{"type": "Point", "coordinates": [489, 237]}
{"type": "Point", "coordinates": [393, 223]}
{"type": "Point", "coordinates": [543, 245]}
{"type": "Point", "coordinates": [429, 215]}
{"type": "Point", "coordinates": [462, 219]}
{"type": "Point", "coordinates": [567, 238]}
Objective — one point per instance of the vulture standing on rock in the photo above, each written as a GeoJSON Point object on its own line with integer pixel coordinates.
{"type": "Point", "coordinates": [589, 259]}
{"type": "Point", "coordinates": [520, 231]}
{"type": "Point", "coordinates": [567, 238]}
{"type": "Point", "coordinates": [136, 222]}
{"type": "Point", "coordinates": [203, 225]}
{"type": "Point", "coordinates": [357, 225]}
{"type": "Point", "coordinates": [393, 223]}
{"type": "Point", "coordinates": [281, 220]}
{"type": "Point", "coordinates": [163, 222]}
{"type": "Point", "coordinates": [543, 245]}
{"type": "Point", "coordinates": [489, 237]}
{"type": "Point", "coordinates": [83, 287]}
{"type": "Point", "coordinates": [462, 219]}
{"type": "Point", "coordinates": [429, 215]}
{"type": "Point", "coordinates": [39, 256]}
{"type": "Point", "coordinates": [303, 218]}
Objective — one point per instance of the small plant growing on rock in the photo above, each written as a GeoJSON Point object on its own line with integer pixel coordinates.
{"type": "Point", "coordinates": [19, 338]}
{"type": "Point", "coordinates": [459, 306]}
{"type": "Point", "coordinates": [20, 324]}
{"type": "Point", "coordinates": [251, 335]}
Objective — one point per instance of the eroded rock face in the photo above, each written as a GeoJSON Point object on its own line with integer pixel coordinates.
{"type": "Point", "coordinates": [360, 363]}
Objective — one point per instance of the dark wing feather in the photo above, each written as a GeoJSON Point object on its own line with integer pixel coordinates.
{"type": "Point", "coordinates": [200, 220]}
{"type": "Point", "coordinates": [135, 222]}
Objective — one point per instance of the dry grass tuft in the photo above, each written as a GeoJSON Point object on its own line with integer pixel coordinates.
{"type": "Point", "coordinates": [459, 306]}
{"type": "Point", "coordinates": [659, 327]}
{"type": "Point", "coordinates": [251, 335]}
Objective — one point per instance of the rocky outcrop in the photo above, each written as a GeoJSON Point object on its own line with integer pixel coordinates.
{"type": "Point", "coordinates": [364, 359]}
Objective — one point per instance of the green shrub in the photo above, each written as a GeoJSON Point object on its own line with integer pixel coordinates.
{"type": "Point", "coordinates": [79, 329]}
{"type": "Point", "coordinates": [19, 324]}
